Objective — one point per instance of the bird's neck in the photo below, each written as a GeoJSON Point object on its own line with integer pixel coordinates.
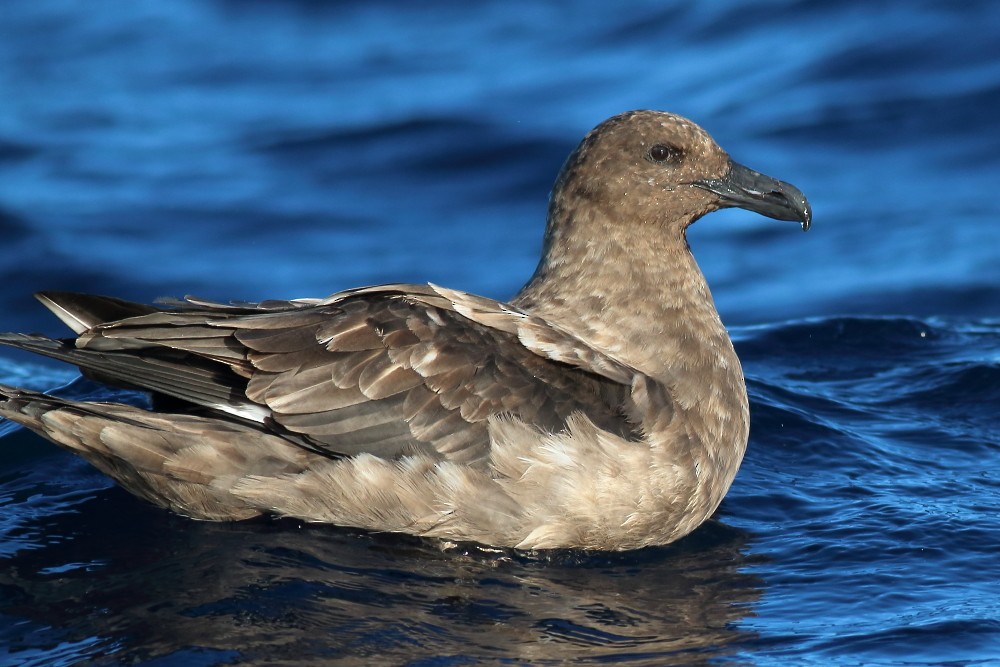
{"type": "Point", "coordinates": [643, 301]}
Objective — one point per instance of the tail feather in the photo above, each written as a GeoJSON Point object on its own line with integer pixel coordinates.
{"type": "Point", "coordinates": [185, 463]}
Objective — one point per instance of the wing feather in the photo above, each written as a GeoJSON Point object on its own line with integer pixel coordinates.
{"type": "Point", "coordinates": [383, 370]}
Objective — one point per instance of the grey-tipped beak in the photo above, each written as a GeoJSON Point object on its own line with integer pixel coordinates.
{"type": "Point", "coordinates": [745, 188]}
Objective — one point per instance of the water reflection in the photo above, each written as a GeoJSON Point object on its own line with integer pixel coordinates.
{"type": "Point", "coordinates": [271, 592]}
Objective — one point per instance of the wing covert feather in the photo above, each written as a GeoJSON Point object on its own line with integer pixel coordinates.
{"type": "Point", "coordinates": [433, 371]}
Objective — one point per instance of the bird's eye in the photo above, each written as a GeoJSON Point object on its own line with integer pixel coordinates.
{"type": "Point", "coordinates": [664, 153]}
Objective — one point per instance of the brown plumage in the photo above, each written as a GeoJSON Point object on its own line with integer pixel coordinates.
{"type": "Point", "coordinates": [602, 408]}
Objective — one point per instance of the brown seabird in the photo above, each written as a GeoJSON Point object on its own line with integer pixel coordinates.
{"type": "Point", "coordinates": [603, 407]}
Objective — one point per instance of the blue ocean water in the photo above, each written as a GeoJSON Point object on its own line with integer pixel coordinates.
{"type": "Point", "coordinates": [252, 149]}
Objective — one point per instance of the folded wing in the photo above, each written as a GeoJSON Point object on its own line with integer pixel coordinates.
{"type": "Point", "coordinates": [387, 370]}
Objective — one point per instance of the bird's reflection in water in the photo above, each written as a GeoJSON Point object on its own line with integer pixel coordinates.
{"type": "Point", "coordinates": [272, 592]}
